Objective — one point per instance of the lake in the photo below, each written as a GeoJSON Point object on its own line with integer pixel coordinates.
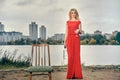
{"type": "Point", "coordinates": [90, 54]}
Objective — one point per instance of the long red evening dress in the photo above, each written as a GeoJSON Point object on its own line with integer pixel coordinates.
{"type": "Point", "coordinates": [74, 70]}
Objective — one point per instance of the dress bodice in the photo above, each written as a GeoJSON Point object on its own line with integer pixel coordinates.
{"type": "Point", "coordinates": [72, 26]}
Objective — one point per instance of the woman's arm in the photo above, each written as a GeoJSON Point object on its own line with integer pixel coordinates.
{"type": "Point", "coordinates": [66, 34]}
{"type": "Point", "coordinates": [79, 30]}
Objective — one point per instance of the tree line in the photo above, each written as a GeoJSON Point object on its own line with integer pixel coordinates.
{"type": "Point", "coordinates": [84, 40]}
{"type": "Point", "coordinates": [100, 39]}
{"type": "Point", "coordinates": [30, 42]}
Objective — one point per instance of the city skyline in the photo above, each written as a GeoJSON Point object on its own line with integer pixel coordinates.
{"type": "Point", "coordinates": [34, 24]}
{"type": "Point", "coordinates": [33, 34]}
{"type": "Point", "coordinates": [94, 14]}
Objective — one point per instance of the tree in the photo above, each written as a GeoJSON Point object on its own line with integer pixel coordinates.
{"type": "Point", "coordinates": [118, 37]}
{"type": "Point", "coordinates": [83, 42]}
{"type": "Point", "coordinates": [87, 36]}
{"type": "Point", "coordinates": [28, 41]}
{"type": "Point", "coordinates": [20, 42]}
{"type": "Point", "coordinates": [112, 42]}
{"type": "Point", "coordinates": [112, 37]}
{"type": "Point", "coordinates": [102, 40]}
{"type": "Point", "coordinates": [98, 38]}
{"type": "Point", "coordinates": [106, 43]}
{"type": "Point", "coordinates": [92, 41]}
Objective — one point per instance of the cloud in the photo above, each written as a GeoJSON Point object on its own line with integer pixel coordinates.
{"type": "Point", "coordinates": [2, 2]}
{"type": "Point", "coordinates": [41, 3]}
{"type": "Point", "coordinates": [25, 2]}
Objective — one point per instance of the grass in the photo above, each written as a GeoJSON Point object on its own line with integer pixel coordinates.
{"type": "Point", "coordinates": [10, 60]}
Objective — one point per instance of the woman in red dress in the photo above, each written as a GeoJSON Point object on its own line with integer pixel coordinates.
{"type": "Point", "coordinates": [72, 43]}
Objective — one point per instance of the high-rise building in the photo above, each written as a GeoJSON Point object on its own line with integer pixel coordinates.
{"type": "Point", "coordinates": [1, 27]}
{"type": "Point", "coordinates": [33, 31]}
{"type": "Point", "coordinates": [43, 32]}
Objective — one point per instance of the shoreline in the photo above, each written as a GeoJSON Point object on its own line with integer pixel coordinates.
{"type": "Point", "coordinates": [110, 72]}
{"type": "Point", "coordinates": [65, 67]}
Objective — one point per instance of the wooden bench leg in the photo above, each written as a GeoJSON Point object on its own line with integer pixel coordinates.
{"type": "Point", "coordinates": [30, 75]}
{"type": "Point", "coordinates": [49, 75]}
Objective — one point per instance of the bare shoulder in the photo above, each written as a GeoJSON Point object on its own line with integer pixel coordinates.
{"type": "Point", "coordinates": [67, 21]}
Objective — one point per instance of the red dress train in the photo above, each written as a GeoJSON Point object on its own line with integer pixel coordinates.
{"type": "Point", "coordinates": [74, 70]}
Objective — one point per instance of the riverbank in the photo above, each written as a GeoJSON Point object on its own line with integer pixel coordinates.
{"type": "Point", "coordinates": [89, 73]}
{"type": "Point", "coordinates": [90, 55]}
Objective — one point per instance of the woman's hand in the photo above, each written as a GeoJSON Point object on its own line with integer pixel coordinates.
{"type": "Point", "coordinates": [77, 31]}
{"type": "Point", "coordinates": [64, 45]}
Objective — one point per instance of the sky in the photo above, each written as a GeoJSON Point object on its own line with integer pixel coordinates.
{"type": "Point", "coordinates": [103, 15]}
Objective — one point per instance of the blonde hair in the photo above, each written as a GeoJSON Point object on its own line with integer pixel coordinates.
{"type": "Point", "coordinates": [76, 12]}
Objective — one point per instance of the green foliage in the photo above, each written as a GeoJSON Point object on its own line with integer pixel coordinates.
{"type": "Point", "coordinates": [28, 41]}
{"type": "Point", "coordinates": [112, 42]}
{"type": "Point", "coordinates": [84, 42]}
{"type": "Point", "coordinates": [118, 37]}
{"type": "Point", "coordinates": [98, 38]}
{"type": "Point", "coordinates": [11, 60]}
{"type": "Point", "coordinates": [39, 41]}
{"type": "Point", "coordinates": [85, 37]}
{"type": "Point", "coordinates": [20, 42]}
{"type": "Point", "coordinates": [102, 40]}
{"type": "Point", "coordinates": [112, 37]}
{"type": "Point", "coordinates": [106, 43]}
{"type": "Point", "coordinates": [92, 41]}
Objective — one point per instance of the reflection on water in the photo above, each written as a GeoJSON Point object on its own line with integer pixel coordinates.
{"type": "Point", "coordinates": [90, 55]}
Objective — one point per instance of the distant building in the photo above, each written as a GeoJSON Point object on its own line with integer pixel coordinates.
{"type": "Point", "coordinates": [114, 33]}
{"type": "Point", "coordinates": [58, 37]}
{"type": "Point", "coordinates": [25, 37]}
{"type": "Point", "coordinates": [33, 31]}
{"type": "Point", "coordinates": [43, 32]}
{"type": "Point", "coordinates": [97, 32]}
{"type": "Point", "coordinates": [107, 35]}
{"type": "Point", "coordinates": [9, 36]}
{"type": "Point", "coordinates": [1, 27]}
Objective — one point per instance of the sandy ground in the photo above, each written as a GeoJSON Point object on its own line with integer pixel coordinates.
{"type": "Point", "coordinates": [60, 74]}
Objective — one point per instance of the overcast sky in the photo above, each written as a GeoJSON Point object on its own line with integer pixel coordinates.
{"type": "Point", "coordinates": [102, 15]}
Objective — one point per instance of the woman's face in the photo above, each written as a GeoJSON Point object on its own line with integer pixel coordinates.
{"type": "Point", "coordinates": [73, 14]}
